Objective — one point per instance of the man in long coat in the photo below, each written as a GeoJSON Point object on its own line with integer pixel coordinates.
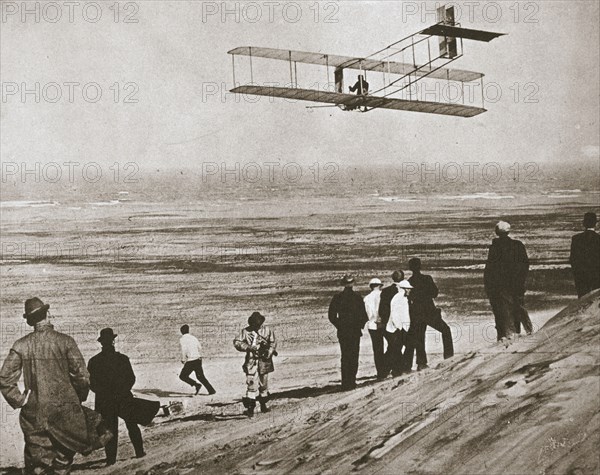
{"type": "Point", "coordinates": [111, 378]}
{"type": "Point", "coordinates": [56, 382]}
{"type": "Point", "coordinates": [348, 315]}
{"type": "Point", "coordinates": [585, 256]}
{"type": "Point", "coordinates": [504, 281]}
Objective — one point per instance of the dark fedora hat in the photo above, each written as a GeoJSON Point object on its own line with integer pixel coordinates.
{"type": "Point", "coordinates": [256, 319]}
{"type": "Point", "coordinates": [347, 280]}
{"type": "Point", "coordinates": [33, 306]}
{"type": "Point", "coordinates": [107, 334]}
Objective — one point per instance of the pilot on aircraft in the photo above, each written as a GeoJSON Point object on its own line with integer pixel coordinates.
{"type": "Point", "coordinates": [361, 87]}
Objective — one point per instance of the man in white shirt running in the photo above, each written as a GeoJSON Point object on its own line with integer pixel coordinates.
{"type": "Point", "coordinates": [375, 326]}
{"type": "Point", "coordinates": [192, 362]}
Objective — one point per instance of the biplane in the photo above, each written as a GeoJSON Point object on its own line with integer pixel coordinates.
{"type": "Point", "coordinates": [398, 89]}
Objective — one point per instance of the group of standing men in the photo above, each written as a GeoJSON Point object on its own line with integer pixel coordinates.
{"type": "Point", "coordinates": [55, 424]}
{"type": "Point", "coordinates": [507, 267]}
{"type": "Point", "coordinates": [398, 314]}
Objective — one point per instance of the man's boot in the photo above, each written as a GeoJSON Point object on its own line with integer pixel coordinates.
{"type": "Point", "coordinates": [263, 403]}
{"type": "Point", "coordinates": [61, 465]}
{"type": "Point", "coordinates": [249, 404]}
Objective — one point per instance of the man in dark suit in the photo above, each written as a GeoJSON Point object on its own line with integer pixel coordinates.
{"type": "Point", "coordinates": [111, 378]}
{"type": "Point", "coordinates": [423, 313]}
{"type": "Point", "coordinates": [393, 354]}
{"type": "Point", "coordinates": [348, 315]}
{"type": "Point", "coordinates": [585, 256]}
{"type": "Point", "coordinates": [504, 280]}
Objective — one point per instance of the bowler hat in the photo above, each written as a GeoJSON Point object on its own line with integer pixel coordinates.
{"type": "Point", "coordinates": [33, 306]}
{"type": "Point", "coordinates": [256, 319]}
{"type": "Point", "coordinates": [107, 334]}
{"type": "Point", "coordinates": [347, 280]}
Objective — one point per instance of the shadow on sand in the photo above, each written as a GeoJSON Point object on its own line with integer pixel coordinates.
{"type": "Point", "coordinates": [10, 471]}
{"type": "Point", "coordinates": [163, 394]}
{"type": "Point", "coordinates": [224, 404]}
{"type": "Point", "coordinates": [90, 465]}
{"type": "Point", "coordinates": [314, 391]}
{"type": "Point", "coordinates": [296, 393]}
{"type": "Point", "coordinates": [204, 418]}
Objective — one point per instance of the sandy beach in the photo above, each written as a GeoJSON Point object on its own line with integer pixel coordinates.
{"type": "Point", "coordinates": [145, 268]}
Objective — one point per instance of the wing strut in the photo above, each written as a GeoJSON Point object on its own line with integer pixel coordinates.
{"type": "Point", "coordinates": [251, 75]}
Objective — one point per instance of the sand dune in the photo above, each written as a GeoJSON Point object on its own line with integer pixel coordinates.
{"type": "Point", "coordinates": [531, 408]}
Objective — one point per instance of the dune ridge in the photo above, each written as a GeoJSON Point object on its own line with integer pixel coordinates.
{"type": "Point", "coordinates": [531, 408]}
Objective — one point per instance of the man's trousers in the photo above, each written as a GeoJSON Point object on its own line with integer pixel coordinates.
{"type": "Point", "coordinates": [522, 316]}
{"type": "Point", "coordinates": [397, 341]}
{"type": "Point", "coordinates": [420, 330]}
{"type": "Point", "coordinates": [111, 418]}
{"type": "Point", "coordinates": [508, 313]}
{"type": "Point", "coordinates": [257, 383]}
{"type": "Point", "coordinates": [350, 347]}
{"type": "Point", "coordinates": [378, 353]}
{"type": "Point", "coordinates": [195, 366]}
{"type": "Point", "coordinates": [45, 455]}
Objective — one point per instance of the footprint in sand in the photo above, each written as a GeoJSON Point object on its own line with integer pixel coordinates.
{"type": "Point", "coordinates": [512, 387]}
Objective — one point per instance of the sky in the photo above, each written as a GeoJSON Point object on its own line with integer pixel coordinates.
{"type": "Point", "coordinates": [163, 70]}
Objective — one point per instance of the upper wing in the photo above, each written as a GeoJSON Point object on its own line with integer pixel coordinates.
{"type": "Point", "coordinates": [356, 63]}
{"type": "Point", "coordinates": [458, 32]}
{"type": "Point", "coordinates": [352, 100]}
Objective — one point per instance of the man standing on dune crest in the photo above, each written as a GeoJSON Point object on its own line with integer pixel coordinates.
{"type": "Point", "coordinates": [395, 339]}
{"type": "Point", "coordinates": [585, 256]}
{"type": "Point", "coordinates": [504, 281]}
{"type": "Point", "coordinates": [348, 315]}
{"type": "Point", "coordinates": [375, 326]}
{"type": "Point", "coordinates": [424, 313]}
